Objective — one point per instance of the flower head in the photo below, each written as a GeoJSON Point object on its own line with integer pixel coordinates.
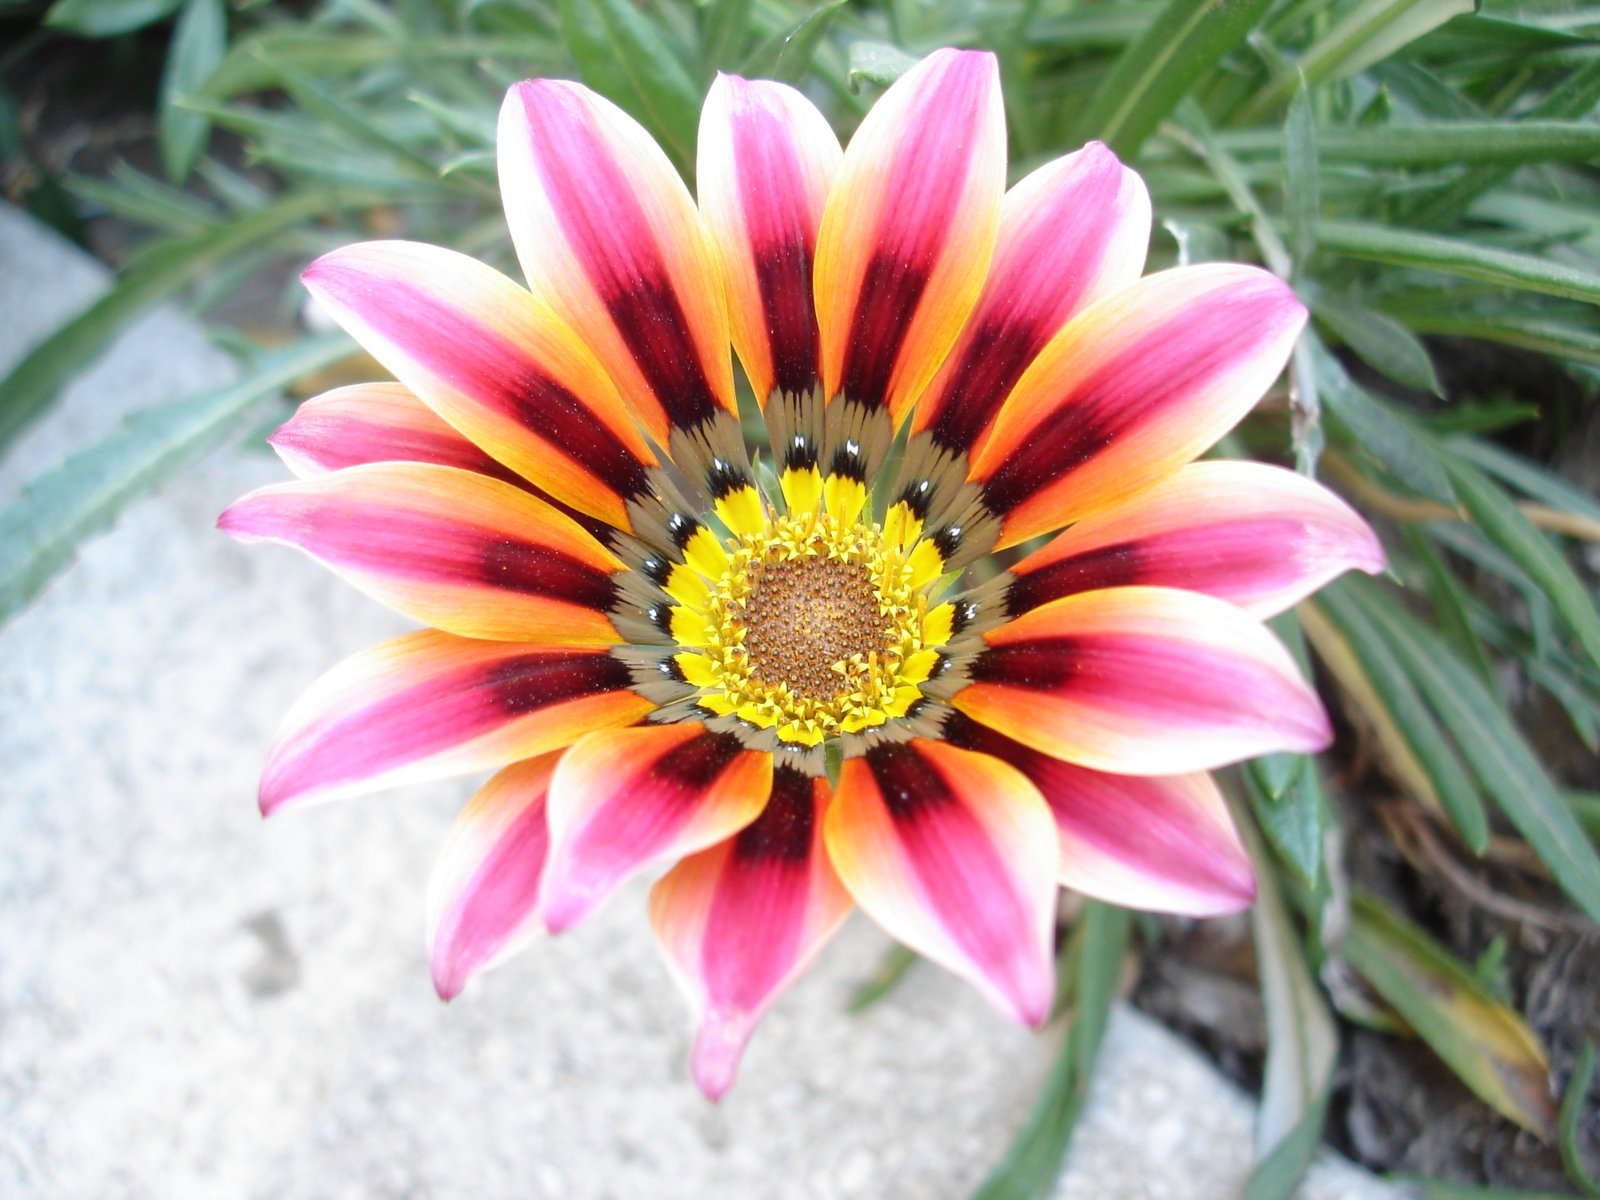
{"type": "Point", "coordinates": [666, 646]}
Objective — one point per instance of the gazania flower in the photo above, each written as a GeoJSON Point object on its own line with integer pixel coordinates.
{"type": "Point", "coordinates": [774, 672]}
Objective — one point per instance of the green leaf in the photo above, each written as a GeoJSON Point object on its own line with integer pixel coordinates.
{"type": "Point", "coordinates": [1453, 256]}
{"type": "Point", "coordinates": [1496, 751]}
{"type": "Point", "coordinates": [878, 63]}
{"type": "Point", "coordinates": [1376, 428]}
{"type": "Point", "coordinates": [1571, 1121]}
{"type": "Point", "coordinates": [1364, 35]}
{"type": "Point", "coordinates": [1528, 333]}
{"type": "Point", "coordinates": [107, 18]}
{"type": "Point", "coordinates": [1178, 48]}
{"type": "Point", "coordinates": [623, 55]}
{"type": "Point", "coordinates": [1527, 546]}
{"type": "Point", "coordinates": [724, 26]}
{"type": "Point", "coordinates": [1528, 478]}
{"type": "Point", "coordinates": [1302, 1042]}
{"type": "Point", "coordinates": [1436, 143]}
{"type": "Point", "coordinates": [41, 532]}
{"type": "Point", "coordinates": [787, 55]}
{"type": "Point", "coordinates": [887, 976]}
{"type": "Point", "coordinates": [1450, 604]}
{"type": "Point", "coordinates": [1030, 1167]}
{"type": "Point", "coordinates": [1396, 691]}
{"type": "Point", "coordinates": [198, 44]}
{"type": "Point", "coordinates": [1293, 823]}
{"type": "Point", "coordinates": [1301, 183]}
{"type": "Point", "coordinates": [1382, 343]}
{"type": "Point", "coordinates": [1488, 1046]}
{"type": "Point", "coordinates": [34, 381]}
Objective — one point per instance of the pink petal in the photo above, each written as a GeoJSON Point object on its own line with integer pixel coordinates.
{"type": "Point", "coordinates": [1143, 681]}
{"type": "Point", "coordinates": [494, 363]}
{"type": "Point", "coordinates": [1258, 536]}
{"type": "Point", "coordinates": [429, 705]}
{"type": "Point", "coordinates": [740, 921]}
{"type": "Point", "coordinates": [954, 853]}
{"type": "Point", "coordinates": [457, 550]}
{"type": "Point", "coordinates": [1131, 390]}
{"type": "Point", "coordinates": [623, 800]}
{"type": "Point", "coordinates": [1165, 843]}
{"type": "Point", "coordinates": [1071, 233]}
{"type": "Point", "coordinates": [607, 234]}
{"type": "Point", "coordinates": [483, 898]}
{"type": "Point", "coordinates": [767, 160]}
{"type": "Point", "coordinates": [909, 230]}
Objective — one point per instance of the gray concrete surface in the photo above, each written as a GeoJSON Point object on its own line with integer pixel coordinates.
{"type": "Point", "coordinates": [194, 1003]}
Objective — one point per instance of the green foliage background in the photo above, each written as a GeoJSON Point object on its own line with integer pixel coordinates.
{"type": "Point", "coordinates": [1419, 169]}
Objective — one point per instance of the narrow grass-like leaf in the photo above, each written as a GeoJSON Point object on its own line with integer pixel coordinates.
{"type": "Point", "coordinates": [1455, 256]}
{"type": "Point", "coordinates": [1498, 754]}
{"type": "Point", "coordinates": [1488, 1046]}
{"type": "Point", "coordinates": [1302, 199]}
{"type": "Point", "coordinates": [1437, 143]}
{"type": "Point", "coordinates": [891, 970]}
{"type": "Point", "coordinates": [1376, 428]}
{"type": "Point", "coordinates": [1392, 686]}
{"type": "Point", "coordinates": [1293, 823]}
{"type": "Point", "coordinates": [1366, 34]}
{"type": "Point", "coordinates": [624, 56]}
{"type": "Point", "coordinates": [1571, 1122]}
{"type": "Point", "coordinates": [878, 63]}
{"type": "Point", "coordinates": [1301, 1040]}
{"type": "Point", "coordinates": [1178, 48]}
{"type": "Point", "coordinates": [33, 381]}
{"type": "Point", "coordinates": [1450, 605]}
{"type": "Point", "coordinates": [1574, 99]}
{"type": "Point", "coordinates": [252, 61]}
{"type": "Point", "coordinates": [1526, 545]}
{"type": "Point", "coordinates": [1532, 480]}
{"type": "Point", "coordinates": [198, 44]}
{"type": "Point", "coordinates": [1382, 343]}
{"type": "Point", "coordinates": [1029, 1169]}
{"type": "Point", "coordinates": [724, 24]}
{"type": "Point", "coordinates": [787, 55]}
{"type": "Point", "coordinates": [107, 18]}
{"type": "Point", "coordinates": [1556, 338]}
{"type": "Point", "coordinates": [40, 533]}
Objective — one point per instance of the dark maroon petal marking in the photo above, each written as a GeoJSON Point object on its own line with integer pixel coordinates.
{"type": "Point", "coordinates": [907, 781]}
{"type": "Point", "coordinates": [1045, 664]}
{"type": "Point", "coordinates": [783, 272]}
{"type": "Point", "coordinates": [691, 767]}
{"type": "Point", "coordinates": [505, 379]}
{"type": "Point", "coordinates": [537, 570]}
{"type": "Point", "coordinates": [647, 312]}
{"type": "Point", "coordinates": [990, 366]}
{"type": "Point", "coordinates": [783, 830]}
{"type": "Point", "coordinates": [1104, 567]}
{"type": "Point", "coordinates": [439, 714]}
{"type": "Point", "coordinates": [891, 288]}
{"type": "Point", "coordinates": [538, 680]}
{"type": "Point", "coordinates": [1125, 392]}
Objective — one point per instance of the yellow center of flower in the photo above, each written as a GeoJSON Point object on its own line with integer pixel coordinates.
{"type": "Point", "coordinates": [813, 624]}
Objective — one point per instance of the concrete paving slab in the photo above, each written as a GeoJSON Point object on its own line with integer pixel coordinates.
{"type": "Point", "coordinates": [194, 1003]}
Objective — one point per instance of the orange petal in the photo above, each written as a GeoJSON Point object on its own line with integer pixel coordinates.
{"type": "Point", "coordinates": [1132, 389]}
{"type": "Point", "coordinates": [909, 230]}
{"type": "Point", "coordinates": [767, 160]}
{"type": "Point", "coordinates": [624, 800]}
{"type": "Point", "coordinates": [740, 921]}
{"type": "Point", "coordinates": [495, 363]}
{"type": "Point", "coordinates": [954, 853]}
{"type": "Point", "coordinates": [607, 234]}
